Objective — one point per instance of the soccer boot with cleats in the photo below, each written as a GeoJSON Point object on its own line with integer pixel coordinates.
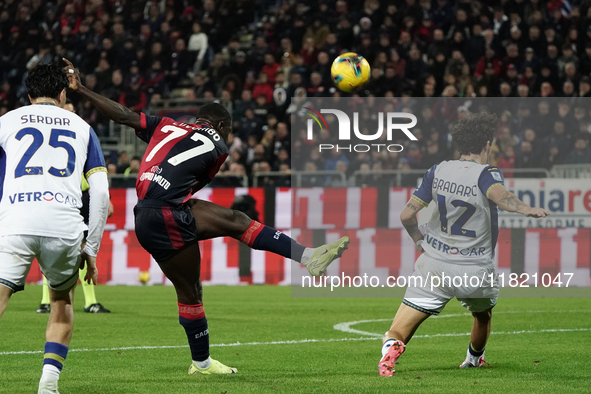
{"type": "Point", "coordinates": [473, 361]}
{"type": "Point", "coordinates": [96, 308]}
{"type": "Point", "coordinates": [326, 254]}
{"type": "Point", "coordinates": [387, 363]}
{"type": "Point", "coordinates": [44, 308]}
{"type": "Point", "coordinates": [216, 368]}
{"type": "Point", "coordinates": [48, 387]}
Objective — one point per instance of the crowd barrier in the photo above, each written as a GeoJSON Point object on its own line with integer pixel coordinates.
{"type": "Point", "coordinates": [370, 217]}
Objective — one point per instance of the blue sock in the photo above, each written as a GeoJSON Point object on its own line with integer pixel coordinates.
{"type": "Point", "coordinates": [55, 354]}
{"type": "Point", "coordinates": [475, 353]}
{"type": "Point", "coordinates": [193, 320]}
{"type": "Point", "coordinates": [261, 237]}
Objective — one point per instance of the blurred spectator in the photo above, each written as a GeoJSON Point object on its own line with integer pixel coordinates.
{"type": "Point", "coordinates": [245, 101]}
{"type": "Point", "coordinates": [310, 180]}
{"type": "Point", "coordinates": [197, 47]}
{"type": "Point", "coordinates": [270, 68]}
{"type": "Point", "coordinates": [136, 54]}
{"type": "Point", "coordinates": [122, 162]}
{"type": "Point", "coordinates": [133, 97]}
{"type": "Point", "coordinates": [282, 158]}
{"type": "Point", "coordinates": [180, 63]}
{"type": "Point", "coordinates": [218, 68]}
{"type": "Point", "coordinates": [505, 139]}
{"type": "Point", "coordinates": [114, 90]}
{"type": "Point", "coordinates": [507, 161]}
{"type": "Point", "coordinates": [527, 157]}
{"type": "Point", "coordinates": [261, 109]}
{"type": "Point", "coordinates": [335, 157]}
{"type": "Point", "coordinates": [263, 87]}
{"type": "Point", "coordinates": [250, 125]}
{"type": "Point", "coordinates": [581, 154]}
{"type": "Point", "coordinates": [551, 157]}
{"type": "Point", "coordinates": [432, 156]}
{"type": "Point", "coordinates": [237, 169]}
{"type": "Point", "coordinates": [414, 155]}
{"type": "Point", "coordinates": [133, 170]}
{"type": "Point", "coordinates": [112, 168]}
{"type": "Point", "coordinates": [559, 138]}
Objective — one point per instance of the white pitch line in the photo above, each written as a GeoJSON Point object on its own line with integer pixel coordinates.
{"type": "Point", "coordinates": [346, 326]}
{"type": "Point", "coordinates": [185, 346]}
{"type": "Point", "coordinates": [294, 342]}
{"type": "Point", "coordinates": [504, 332]}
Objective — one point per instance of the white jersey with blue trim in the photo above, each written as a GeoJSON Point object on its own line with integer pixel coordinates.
{"type": "Point", "coordinates": [44, 150]}
{"type": "Point", "coordinates": [464, 226]}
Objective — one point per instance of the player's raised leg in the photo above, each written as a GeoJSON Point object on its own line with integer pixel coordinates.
{"type": "Point", "coordinates": [405, 323]}
{"type": "Point", "coordinates": [213, 221]}
{"type": "Point", "coordinates": [183, 270]}
{"type": "Point", "coordinates": [478, 338]}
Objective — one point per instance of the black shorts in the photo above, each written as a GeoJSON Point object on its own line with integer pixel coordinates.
{"type": "Point", "coordinates": [163, 229]}
{"type": "Point", "coordinates": [84, 211]}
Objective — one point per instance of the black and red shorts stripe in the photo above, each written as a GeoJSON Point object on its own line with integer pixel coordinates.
{"type": "Point", "coordinates": [162, 229]}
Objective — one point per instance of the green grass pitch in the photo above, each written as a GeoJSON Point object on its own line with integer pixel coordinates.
{"type": "Point", "coordinates": [540, 345]}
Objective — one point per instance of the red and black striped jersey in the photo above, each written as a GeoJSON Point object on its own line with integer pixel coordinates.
{"type": "Point", "coordinates": [181, 158]}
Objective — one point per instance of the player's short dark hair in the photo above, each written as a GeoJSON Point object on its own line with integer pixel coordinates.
{"type": "Point", "coordinates": [473, 131]}
{"type": "Point", "coordinates": [46, 80]}
{"type": "Point", "coordinates": [215, 113]}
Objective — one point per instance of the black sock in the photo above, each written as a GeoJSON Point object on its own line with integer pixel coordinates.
{"type": "Point", "coordinates": [261, 237]}
{"type": "Point", "coordinates": [193, 320]}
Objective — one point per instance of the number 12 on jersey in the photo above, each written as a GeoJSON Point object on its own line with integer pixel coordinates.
{"type": "Point", "coordinates": [457, 228]}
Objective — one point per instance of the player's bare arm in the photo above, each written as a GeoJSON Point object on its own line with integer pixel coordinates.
{"type": "Point", "coordinates": [111, 109]}
{"type": "Point", "coordinates": [408, 217]}
{"type": "Point", "coordinates": [91, 276]}
{"type": "Point", "coordinates": [509, 202]}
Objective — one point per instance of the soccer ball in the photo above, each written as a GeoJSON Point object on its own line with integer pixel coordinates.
{"type": "Point", "coordinates": [144, 277]}
{"type": "Point", "coordinates": [350, 71]}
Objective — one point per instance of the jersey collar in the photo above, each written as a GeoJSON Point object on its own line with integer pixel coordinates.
{"type": "Point", "coordinates": [473, 161]}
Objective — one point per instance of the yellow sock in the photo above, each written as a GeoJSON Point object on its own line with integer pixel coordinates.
{"type": "Point", "coordinates": [87, 289]}
{"type": "Point", "coordinates": [45, 297]}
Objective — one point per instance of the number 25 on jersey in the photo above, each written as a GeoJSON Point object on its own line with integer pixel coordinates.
{"type": "Point", "coordinates": [54, 141]}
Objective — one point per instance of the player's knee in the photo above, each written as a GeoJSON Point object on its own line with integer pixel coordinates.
{"type": "Point", "coordinates": [483, 317]}
{"type": "Point", "coordinates": [240, 220]}
{"type": "Point", "coordinates": [189, 296]}
{"type": "Point", "coordinates": [61, 295]}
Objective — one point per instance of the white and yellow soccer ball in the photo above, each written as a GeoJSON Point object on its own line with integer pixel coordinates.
{"type": "Point", "coordinates": [144, 277]}
{"type": "Point", "coordinates": [350, 71]}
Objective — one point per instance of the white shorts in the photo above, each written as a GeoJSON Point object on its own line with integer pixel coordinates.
{"type": "Point", "coordinates": [59, 260]}
{"type": "Point", "coordinates": [437, 282]}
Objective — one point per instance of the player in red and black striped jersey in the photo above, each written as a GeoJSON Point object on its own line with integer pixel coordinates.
{"type": "Point", "coordinates": [181, 159]}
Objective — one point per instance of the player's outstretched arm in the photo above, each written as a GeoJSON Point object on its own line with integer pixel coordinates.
{"type": "Point", "coordinates": [111, 109]}
{"type": "Point", "coordinates": [408, 217]}
{"type": "Point", "coordinates": [509, 202]}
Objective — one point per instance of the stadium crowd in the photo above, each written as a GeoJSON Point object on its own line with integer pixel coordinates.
{"type": "Point", "coordinates": [258, 54]}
